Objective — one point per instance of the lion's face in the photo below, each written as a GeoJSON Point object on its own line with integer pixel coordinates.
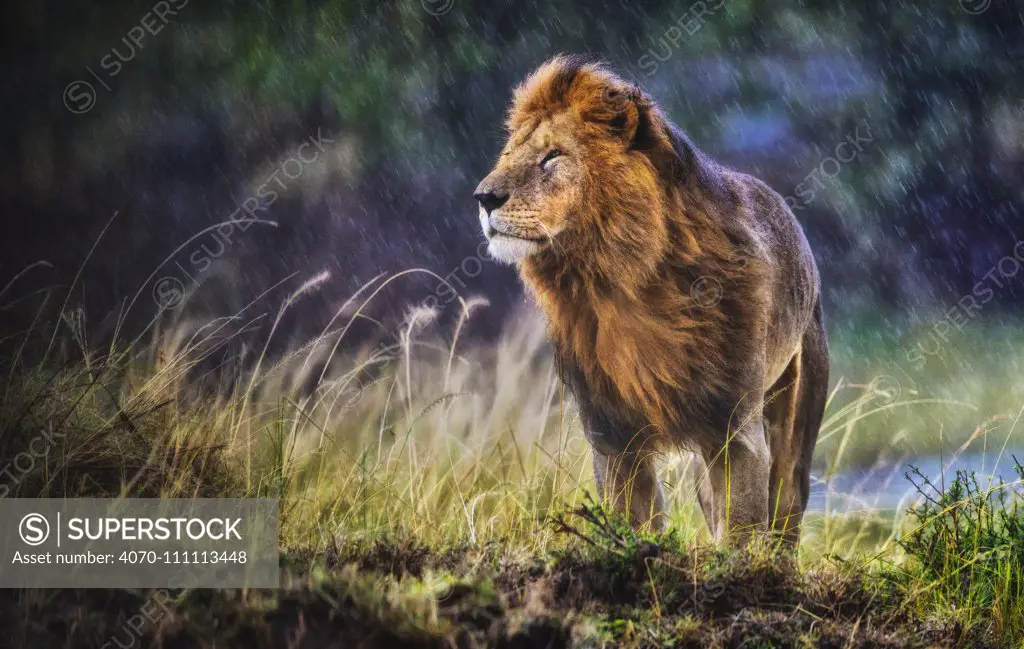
{"type": "Point", "coordinates": [575, 177]}
{"type": "Point", "coordinates": [527, 201]}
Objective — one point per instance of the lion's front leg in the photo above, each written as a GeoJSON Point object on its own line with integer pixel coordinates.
{"type": "Point", "coordinates": [738, 475]}
{"type": "Point", "coordinates": [629, 483]}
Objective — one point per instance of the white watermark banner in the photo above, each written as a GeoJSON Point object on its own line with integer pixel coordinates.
{"type": "Point", "coordinates": [139, 543]}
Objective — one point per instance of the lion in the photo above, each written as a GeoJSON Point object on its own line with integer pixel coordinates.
{"type": "Point", "coordinates": [682, 300]}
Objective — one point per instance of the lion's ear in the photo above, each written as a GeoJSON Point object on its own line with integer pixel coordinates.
{"type": "Point", "coordinates": [623, 106]}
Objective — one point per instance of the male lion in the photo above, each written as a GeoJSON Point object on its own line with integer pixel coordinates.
{"type": "Point", "coordinates": [682, 298]}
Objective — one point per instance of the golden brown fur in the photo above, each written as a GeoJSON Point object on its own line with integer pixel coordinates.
{"type": "Point", "coordinates": [679, 295]}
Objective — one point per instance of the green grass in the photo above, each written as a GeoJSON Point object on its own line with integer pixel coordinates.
{"type": "Point", "coordinates": [969, 547]}
{"type": "Point", "coordinates": [435, 494]}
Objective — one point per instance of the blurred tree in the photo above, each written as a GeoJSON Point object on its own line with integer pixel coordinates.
{"type": "Point", "coordinates": [212, 100]}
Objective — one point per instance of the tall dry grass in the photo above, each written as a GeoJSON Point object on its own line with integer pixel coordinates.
{"type": "Point", "coordinates": [418, 434]}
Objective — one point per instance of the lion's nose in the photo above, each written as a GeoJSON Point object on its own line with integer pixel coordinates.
{"type": "Point", "coordinates": [490, 201]}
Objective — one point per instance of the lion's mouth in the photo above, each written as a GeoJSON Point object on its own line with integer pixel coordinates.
{"type": "Point", "coordinates": [492, 232]}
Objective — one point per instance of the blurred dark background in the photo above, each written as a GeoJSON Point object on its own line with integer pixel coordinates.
{"type": "Point", "coordinates": [190, 107]}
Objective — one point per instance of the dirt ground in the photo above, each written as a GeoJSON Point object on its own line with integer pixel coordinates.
{"type": "Point", "coordinates": [397, 596]}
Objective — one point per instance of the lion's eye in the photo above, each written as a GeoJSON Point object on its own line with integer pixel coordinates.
{"type": "Point", "coordinates": [552, 154]}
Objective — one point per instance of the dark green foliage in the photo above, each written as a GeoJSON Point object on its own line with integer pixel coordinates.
{"type": "Point", "coordinates": [416, 101]}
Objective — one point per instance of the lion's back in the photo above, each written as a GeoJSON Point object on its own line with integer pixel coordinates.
{"type": "Point", "coordinates": [790, 279]}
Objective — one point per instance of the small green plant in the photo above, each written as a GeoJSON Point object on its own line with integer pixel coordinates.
{"type": "Point", "coordinates": [612, 535]}
{"type": "Point", "coordinates": [969, 545]}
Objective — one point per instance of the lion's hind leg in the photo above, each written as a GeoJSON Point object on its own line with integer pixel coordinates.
{"type": "Point", "coordinates": [793, 411]}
